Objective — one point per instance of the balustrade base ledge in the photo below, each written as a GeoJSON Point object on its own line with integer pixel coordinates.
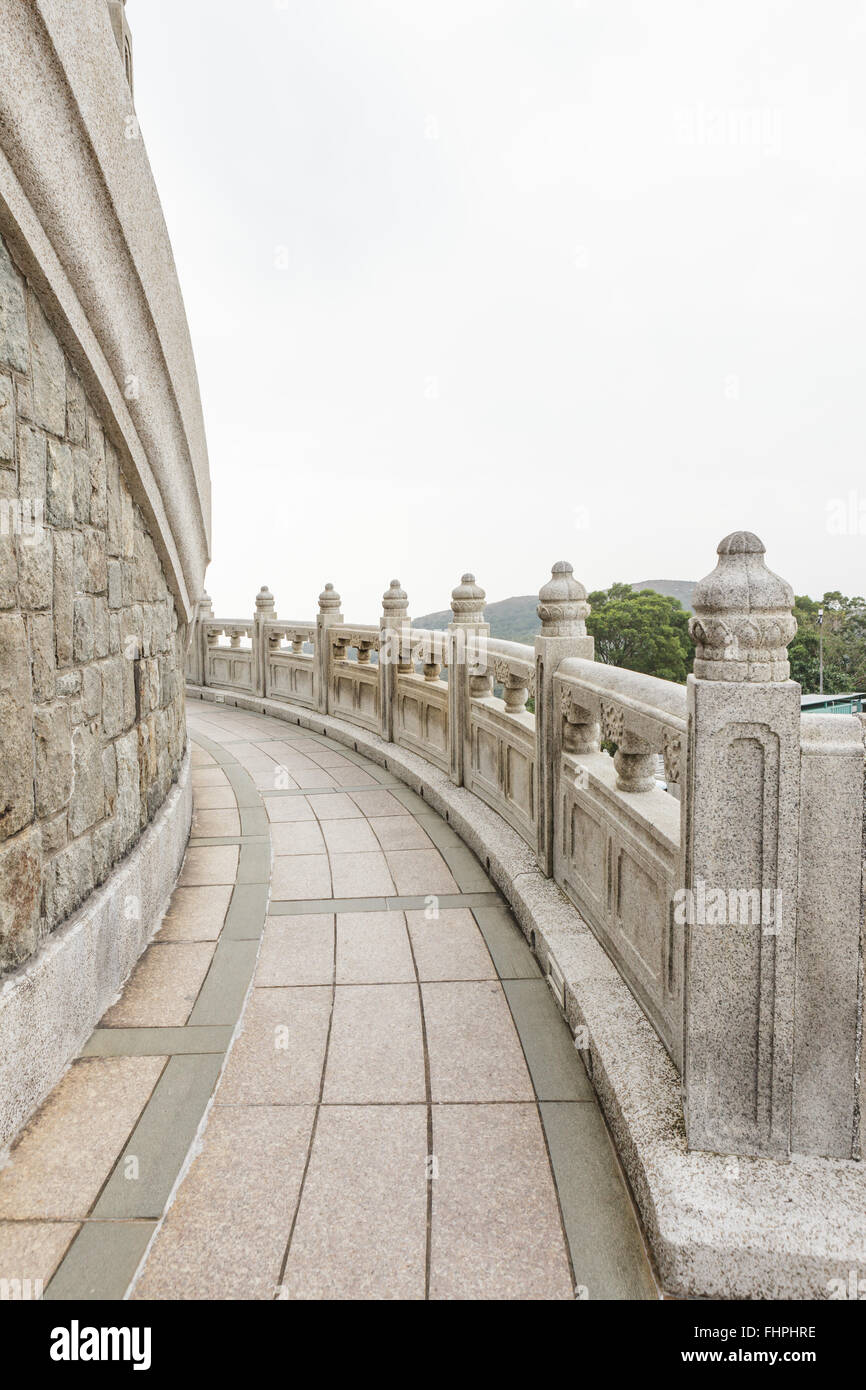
{"type": "Point", "coordinates": [50, 1006]}
{"type": "Point", "coordinates": [718, 1227]}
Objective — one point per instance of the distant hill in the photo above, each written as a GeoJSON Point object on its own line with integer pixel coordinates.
{"type": "Point", "coordinates": [683, 589]}
{"type": "Point", "coordinates": [515, 619]}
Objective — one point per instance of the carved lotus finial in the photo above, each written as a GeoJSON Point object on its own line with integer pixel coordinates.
{"type": "Point", "coordinates": [742, 620]}
{"type": "Point", "coordinates": [562, 605]}
{"type": "Point", "coordinates": [467, 601]}
{"type": "Point", "coordinates": [264, 600]}
{"type": "Point", "coordinates": [395, 601]}
{"type": "Point", "coordinates": [329, 600]}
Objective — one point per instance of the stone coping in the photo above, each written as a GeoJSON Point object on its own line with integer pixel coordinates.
{"type": "Point", "coordinates": [106, 272]}
{"type": "Point", "coordinates": [48, 1008]}
{"type": "Point", "coordinates": [719, 1227]}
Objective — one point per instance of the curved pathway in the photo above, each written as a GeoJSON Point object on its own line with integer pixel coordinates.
{"type": "Point", "coordinates": [336, 1072]}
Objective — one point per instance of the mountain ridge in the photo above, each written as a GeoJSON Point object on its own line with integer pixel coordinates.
{"type": "Point", "coordinates": [516, 620]}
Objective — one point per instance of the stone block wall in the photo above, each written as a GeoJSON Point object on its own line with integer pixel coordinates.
{"type": "Point", "coordinates": [92, 729]}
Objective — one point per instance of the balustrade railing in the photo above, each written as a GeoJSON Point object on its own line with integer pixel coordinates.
{"type": "Point", "coordinates": [728, 896]}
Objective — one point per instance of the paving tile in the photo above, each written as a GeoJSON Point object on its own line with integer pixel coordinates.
{"type": "Point", "coordinates": [288, 808]}
{"type": "Point", "coordinates": [207, 824]}
{"type": "Point", "coordinates": [607, 1251]}
{"type": "Point", "coordinates": [362, 1221]}
{"type": "Point", "coordinates": [399, 832]}
{"type": "Point", "coordinates": [366, 874]}
{"type": "Point", "coordinates": [389, 1065]}
{"type": "Point", "coordinates": [155, 1042]}
{"type": "Point", "coordinates": [278, 1057]}
{"type": "Point", "coordinates": [438, 830]}
{"type": "Point", "coordinates": [411, 801]}
{"type": "Point", "coordinates": [58, 1164]}
{"type": "Point", "coordinates": [320, 905]}
{"type": "Point", "coordinates": [373, 948]}
{"type": "Point", "coordinates": [506, 943]}
{"type": "Point", "coordinates": [101, 1262]}
{"type": "Point", "coordinates": [474, 1050]}
{"type": "Point", "coordinates": [254, 865]}
{"type": "Point", "coordinates": [254, 820]}
{"type": "Point", "coordinates": [338, 806]}
{"type": "Point", "coordinates": [450, 946]}
{"type": "Point", "coordinates": [349, 836]}
{"type": "Point", "coordinates": [147, 1170]}
{"type": "Point", "coordinates": [222, 995]}
{"type": "Point", "coordinates": [246, 914]}
{"type": "Point", "coordinates": [352, 777]}
{"type": "Point", "coordinates": [301, 876]}
{"type": "Point", "coordinates": [378, 803]}
{"type": "Point", "coordinates": [220, 798]}
{"type": "Point", "coordinates": [313, 777]}
{"type": "Point", "coordinates": [420, 871]}
{"type": "Point", "coordinates": [496, 1231]}
{"type": "Point", "coordinates": [163, 987]}
{"type": "Point", "coordinates": [466, 869]}
{"type": "Point", "coordinates": [225, 1234]}
{"type": "Point", "coordinates": [243, 786]}
{"type": "Point", "coordinates": [214, 864]}
{"type": "Point", "coordinates": [297, 837]}
{"type": "Point", "coordinates": [554, 1063]}
{"type": "Point", "coordinates": [208, 777]}
{"type": "Point", "coordinates": [297, 951]}
{"type": "Point", "coordinates": [30, 1251]}
{"type": "Point", "coordinates": [195, 914]}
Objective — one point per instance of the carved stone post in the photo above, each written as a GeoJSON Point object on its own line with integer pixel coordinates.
{"type": "Point", "coordinates": [563, 610]}
{"type": "Point", "coordinates": [394, 619]}
{"type": "Point", "coordinates": [741, 836]}
{"type": "Point", "coordinates": [265, 612]}
{"type": "Point", "coordinates": [468, 670]}
{"type": "Point", "coordinates": [329, 616]}
{"type": "Point", "coordinates": [198, 643]}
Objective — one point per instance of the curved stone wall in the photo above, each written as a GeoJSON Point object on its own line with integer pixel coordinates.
{"type": "Point", "coordinates": [104, 534]}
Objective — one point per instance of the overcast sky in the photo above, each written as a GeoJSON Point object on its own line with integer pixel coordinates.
{"type": "Point", "coordinates": [482, 285]}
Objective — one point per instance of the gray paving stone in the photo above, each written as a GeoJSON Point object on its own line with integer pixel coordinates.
{"type": "Point", "coordinates": [101, 1261]}
{"type": "Point", "coordinates": [506, 943]}
{"type": "Point", "coordinates": [554, 1064]}
{"type": "Point", "coordinates": [156, 1042]}
{"type": "Point", "coordinates": [607, 1251]}
{"type": "Point", "coordinates": [242, 785]}
{"type": "Point", "coordinates": [246, 914]}
{"type": "Point", "coordinates": [161, 1139]}
{"type": "Point", "coordinates": [222, 994]}
{"type": "Point", "coordinates": [466, 869]}
{"type": "Point", "coordinates": [254, 820]}
{"type": "Point", "coordinates": [441, 833]}
{"type": "Point", "coordinates": [254, 865]}
{"type": "Point", "coordinates": [290, 908]}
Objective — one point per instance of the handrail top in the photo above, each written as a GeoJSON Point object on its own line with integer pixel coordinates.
{"type": "Point", "coordinates": [665, 697]}
{"type": "Point", "coordinates": [517, 651]}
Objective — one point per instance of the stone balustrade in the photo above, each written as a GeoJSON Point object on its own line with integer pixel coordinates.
{"type": "Point", "coordinates": [728, 896]}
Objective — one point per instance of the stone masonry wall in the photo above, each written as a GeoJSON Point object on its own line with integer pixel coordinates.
{"type": "Point", "coordinates": [92, 729]}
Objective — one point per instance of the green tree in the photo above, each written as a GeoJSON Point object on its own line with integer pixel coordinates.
{"type": "Point", "coordinates": [643, 631]}
{"type": "Point", "coordinates": [844, 630]}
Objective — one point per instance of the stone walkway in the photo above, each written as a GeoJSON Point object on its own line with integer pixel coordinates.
{"type": "Point", "coordinates": [335, 1073]}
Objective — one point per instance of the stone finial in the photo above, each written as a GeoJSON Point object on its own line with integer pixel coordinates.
{"type": "Point", "coordinates": [562, 605]}
{"type": "Point", "coordinates": [329, 600]}
{"type": "Point", "coordinates": [265, 604]}
{"type": "Point", "coordinates": [205, 603]}
{"type": "Point", "coordinates": [395, 604]}
{"type": "Point", "coordinates": [467, 601]}
{"type": "Point", "coordinates": [742, 620]}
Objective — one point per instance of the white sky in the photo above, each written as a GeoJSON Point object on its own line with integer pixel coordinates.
{"type": "Point", "coordinates": [482, 285]}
